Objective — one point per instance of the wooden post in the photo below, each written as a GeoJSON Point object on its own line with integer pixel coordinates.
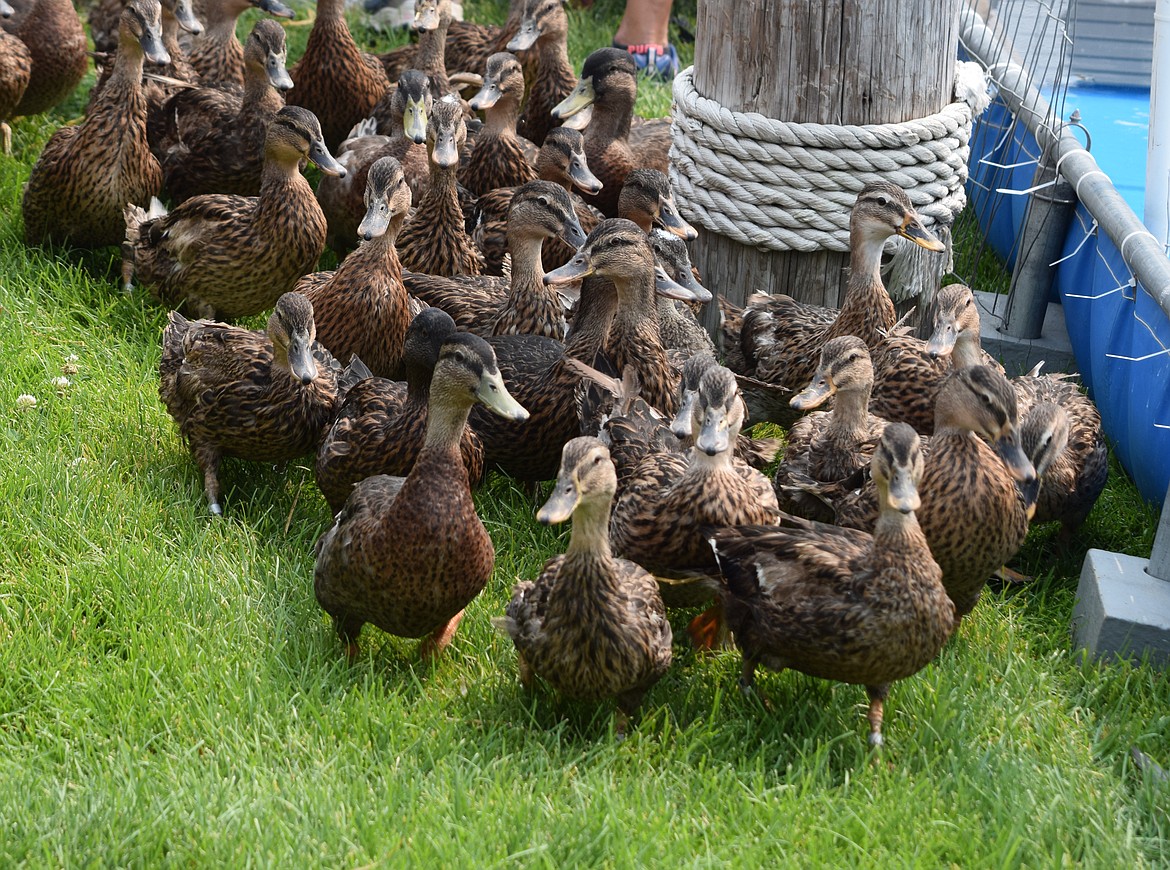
{"type": "Point", "coordinates": [816, 61]}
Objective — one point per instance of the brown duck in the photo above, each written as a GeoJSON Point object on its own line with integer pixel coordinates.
{"type": "Point", "coordinates": [523, 304]}
{"type": "Point", "coordinates": [592, 625]}
{"type": "Point", "coordinates": [334, 79]}
{"type": "Point", "coordinates": [561, 160]}
{"type": "Point", "coordinates": [15, 73]}
{"type": "Point", "coordinates": [55, 39]}
{"type": "Point", "coordinates": [840, 604]}
{"type": "Point", "coordinates": [87, 173]}
{"type": "Point", "coordinates": [660, 515]}
{"type": "Point", "coordinates": [499, 158]}
{"type": "Point", "coordinates": [829, 446]}
{"type": "Point", "coordinates": [1079, 473]}
{"type": "Point", "coordinates": [609, 84]}
{"type": "Point", "coordinates": [256, 396]}
{"type": "Point", "coordinates": [216, 54]}
{"type": "Point", "coordinates": [237, 254]}
{"type": "Point", "coordinates": [435, 239]}
{"type": "Point", "coordinates": [408, 555]}
{"type": "Point", "coordinates": [214, 137]}
{"type": "Point", "coordinates": [402, 134]}
{"type": "Point", "coordinates": [363, 308]}
{"type": "Point", "coordinates": [781, 337]}
{"type": "Point", "coordinates": [380, 427]}
{"type": "Point", "coordinates": [542, 41]}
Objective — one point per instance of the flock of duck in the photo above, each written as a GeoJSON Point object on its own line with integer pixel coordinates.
{"type": "Point", "coordinates": [516, 295]}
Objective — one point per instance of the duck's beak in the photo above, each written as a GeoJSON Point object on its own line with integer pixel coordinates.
{"type": "Point", "coordinates": [903, 494]}
{"type": "Point", "coordinates": [185, 15]}
{"type": "Point", "coordinates": [1013, 456]}
{"type": "Point", "coordinates": [153, 48]}
{"type": "Point", "coordinates": [580, 120]}
{"type": "Point", "coordinates": [571, 232]}
{"type": "Point", "coordinates": [445, 153]}
{"type": "Point", "coordinates": [278, 75]}
{"type": "Point", "coordinates": [525, 37]}
{"type": "Point", "coordinates": [672, 221]}
{"type": "Point", "coordinates": [814, 395]}
{"type": "Point", "coordinates": [275, 8]}
{"type": "Point", "coordinates": [6, 11]}
{"type": "Point", "coordinates": [563, 501]}
{"type": "Point", "coordinates": [666, 286]}
{"type": "Point", "coordinates": [414, 120]}
{"type": "Point", "coordinates": [687, 280]}
{"type": "Point", "coordinates": [913, 230]}
{"type": "Point", "coordinates": [376, 221]}
{"type": "Point", "coordinates": [683, 424]}
{"type": "Point", "coordinates": [496, 398]}
{"type": "Point", "coordinates": [581, 96]}
{"type": "Point", "coordinates": [715, 434]}
{"type": "Point", "coordinates": [942, 340]}
{"type": "Point", "coordinates": [300, 358]}
{"type": "Point", "coordinates": [577, 268]}
{"type": "Point", "coordinates": [1030, 491]}
{"type": "Point", "coordinates": [487, 97]}
{"type": "Point", "coordinates": [581, 176]}
{"type": "Point", "coordinates": [320, 155]}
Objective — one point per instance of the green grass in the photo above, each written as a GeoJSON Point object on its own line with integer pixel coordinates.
{"type": "Point", "coordinates": [171, 692]}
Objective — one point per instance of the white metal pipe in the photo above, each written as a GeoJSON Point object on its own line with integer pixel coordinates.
{"type": "Point", "coordinates": [1157, 209]}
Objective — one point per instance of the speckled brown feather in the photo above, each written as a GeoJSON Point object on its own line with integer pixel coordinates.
{"type": "Point", "coordinates": [15, 72]}
{"type": "Point", "coordinates": [230, 397]}
{"type": "Point", "coordinates": [235, 254]}
{"type": "Point", "coordinates": [213, 141]}
{"type": "Point", "coordinates": [55, 39]}
{"type": "Point", "coordinates": [593, 626]}
{"type": "Point", "coordinates": [86, 175]}
{"type": "Point", "coordinates": [334, 79]}
{"type": "Point", "coordinates": [435, 240]}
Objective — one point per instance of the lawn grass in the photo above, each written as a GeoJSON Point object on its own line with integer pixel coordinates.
{"type": "Point", "coordinates": [170, 691]}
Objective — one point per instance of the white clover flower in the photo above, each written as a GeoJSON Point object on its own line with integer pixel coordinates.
{"type": "Point", "coordinates": [60, 384]}
{"type": "Point", "coordinates": [24, 401]}
{"type": "Point", "coordinates": [70, 368]}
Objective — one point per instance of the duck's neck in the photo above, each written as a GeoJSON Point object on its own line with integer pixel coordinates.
{"type": "Point", "coordinates": [590, 535]}
{"type": "Point", "coordinates": [277, 179]}
{"type": "Point", "coordinates": [636, 307]}
{"type": "Point", "coordinates": [441, 202]}
{"type": "Point", "coordinates": [170, 36]}
{"type": "Point", "coordinates": [610, 122]}
{"type": "Point", "coordinates": [259, 94]}
{"type": "Point", "coordinates": [897, 538]}
{"type": "Point", "coordinates": [527, 265]}
{"type": "Point", "coordinates": [127, 75]}
{"type": "Point", "coordinates": [851, 413]}
{"type": "Point", "coordinates": [445, 422]}
{"type": "Point", "coordinates": [867, 310]}
{"type": "Point", "coordinates": [500, 120]}
{"type": "Point", "coordinates": [595, 314]}
{"type": "Point", "coordinates": [967, 351]}
{"type": "Point", "coordinates": [330, 10]}
{"type": "Point", "coordinates": [702, 463]}
{"type": "Point", "coordinates": [430, 57]}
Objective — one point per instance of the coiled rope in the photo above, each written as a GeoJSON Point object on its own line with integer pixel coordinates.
{"type": "Point", "coordinates": [783, 186]}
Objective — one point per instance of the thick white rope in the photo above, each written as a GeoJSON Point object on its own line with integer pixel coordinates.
{"type": "Point", "coordinates": [789, 187]}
